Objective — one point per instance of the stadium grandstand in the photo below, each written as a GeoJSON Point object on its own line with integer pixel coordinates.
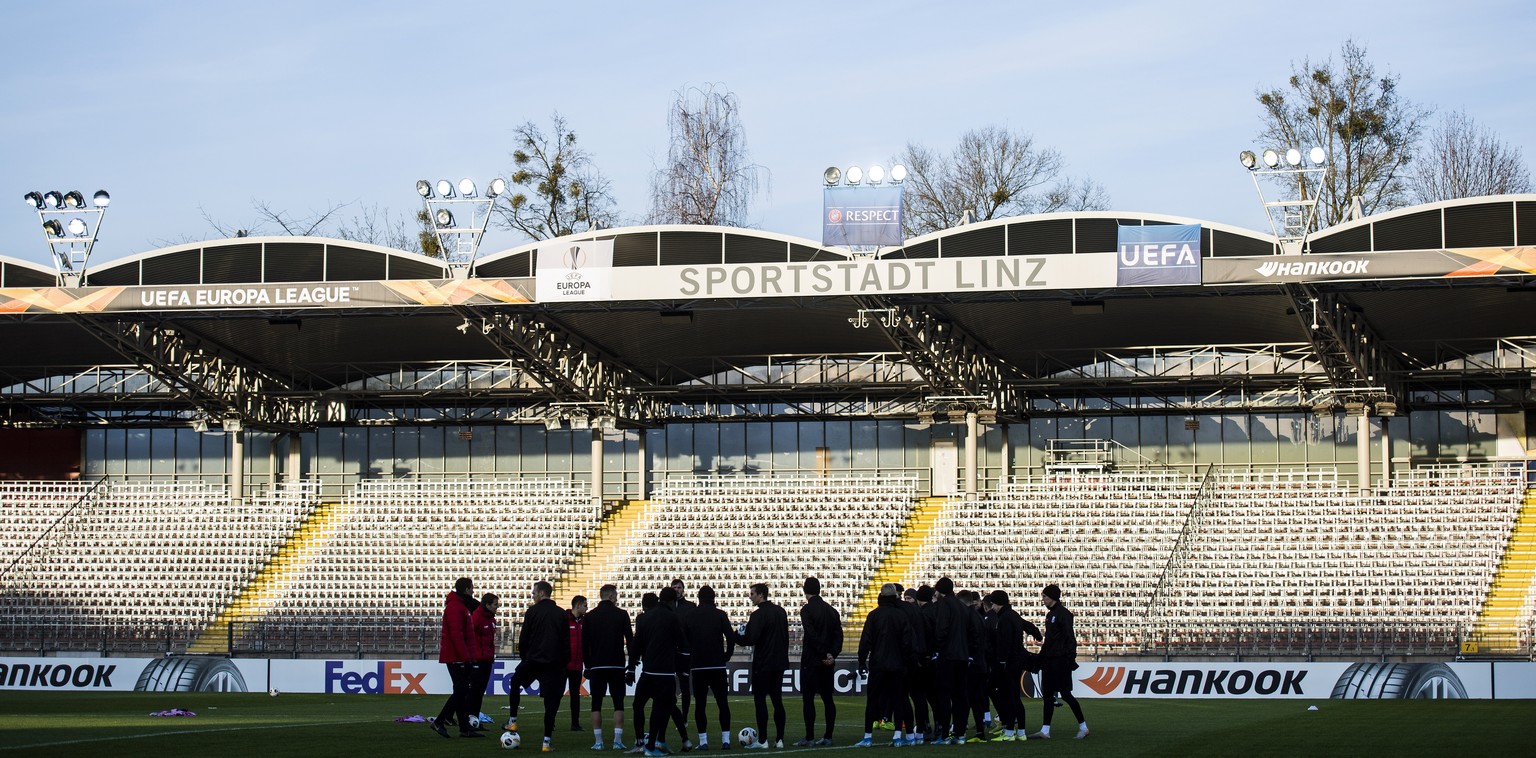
{"type": "Point", "coordinates": [292, 446]}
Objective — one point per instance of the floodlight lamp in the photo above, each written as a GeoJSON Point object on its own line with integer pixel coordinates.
{"type": "Point", "coordinates": [444, 218]}
{"type": "Point", "coordinates": [444, 188]}
{"type": "Point", "coordinates": [101, 199]}
{"type": "Point", "coordinates": [1248, 159]}
{"type": "Point", "coordinates": [956, 415]}
{"type": "Point", "coordinates": [832, 176]}
{"type": "Point", "coordinates": [73, 199]}
{"type": "Point", "coordinates": [1386, 408]}
{"type": "Point", "coordinates": [854, 174]}
{"type": "Point", "coordinates": [34, 199]}
{"type": "Point", "coordinates": [496, 188]}
{"type": "Point", "coordinates": [925, 417]}
{"type": "Point", "coordinates": [1293, 157]}
{"type": "Point", "coordinates": [53, 228]}
{"type": "Point", "coordinates": [424, 188]}
{"type": "Point", "coordinates": [466, 187]}
{"type": "Point", "coordinates": [898, 173]}
{"type": "Point", "coordinates": [1318, 156]}
{"type": "Point", "coordinates": [876, 174]}
{"type": "Point", "coordinates": [200, 425]}
{"type": "Point", "coordinates": [1271, 158]}
{"type": "Point", "coordinates": [232, 424]}
{"type": "Point", "coordinates": [77, 227]}
{"type": "Point", "coordinates": [52, 199]}
{"type": "Point", "coordinates": [986, 416]}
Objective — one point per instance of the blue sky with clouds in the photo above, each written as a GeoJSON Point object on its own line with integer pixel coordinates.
{"type": "Point", "coordinates": [182, 108]}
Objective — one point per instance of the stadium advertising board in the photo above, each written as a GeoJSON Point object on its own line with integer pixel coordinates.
{"type": "Point", "coordinates": [861, 215]}
{"type": "Point", "coordinates": [1408, 264]}
{"type": "Point", "coordinates": [286, 296]}
{"type": "Point", "coordinates": [1140, 679]}
{"type": "Point", "coordinates": [576, 272]}
{"type": "Point", "coordinates": [1158, 256]}
{"type": "Point", "coordinates": [868, 276]}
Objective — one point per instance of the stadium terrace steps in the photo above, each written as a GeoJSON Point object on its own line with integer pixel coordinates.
{"type": "Point", "coordinates": [897, 562]}
{"type": "Point", "coordinates": [607, 550]}
{"type": "Point", "coordinates": [1507, 608]}
{"type": "Point", "coordinates": [266, 587]}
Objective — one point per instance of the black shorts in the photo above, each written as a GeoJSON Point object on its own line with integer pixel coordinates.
{"type": "Point", "coordinates": [1056, 675]}
{"type": "Point", "coordinates": [608, 682]}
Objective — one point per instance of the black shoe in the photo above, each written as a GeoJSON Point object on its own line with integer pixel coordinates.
{"type": "Point", "coordinates": [438, 727]}
{"type": "Point", "coordinates": [575, 727]}
{"type": "Point", "coordinates": [469, 734]}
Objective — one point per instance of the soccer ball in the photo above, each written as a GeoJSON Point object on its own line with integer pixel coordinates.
{"type": "Point", "coordinates": [747, 736]}
{"type": "Point", "coordinates": [511, 740]}
{"type": "Point", "coordinates": [272, 692]}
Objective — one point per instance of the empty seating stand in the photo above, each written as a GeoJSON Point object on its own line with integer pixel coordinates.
{"type": "Point", "coordinates": [377, 584]}
{"type": "Point", "coordinates": [144, 561]}
{"type": "Point", "coordinates": [733, 532]}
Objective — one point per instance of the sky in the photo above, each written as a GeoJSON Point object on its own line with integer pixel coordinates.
{"type": "Point", "coordinates": [190, 109]}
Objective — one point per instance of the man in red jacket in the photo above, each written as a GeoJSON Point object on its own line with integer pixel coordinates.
{"type": "Point", "coordinates": [573, 667]}
{"type": "Point", "coordinates": [456, 648]}
{"type": "Point", "coordinates": [483, 622]}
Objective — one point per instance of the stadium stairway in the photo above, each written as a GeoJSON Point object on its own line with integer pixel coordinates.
{"type": "Point", "coordinates": [606, 551]}
{"type": "Point", "coordinates": [896, 564]}
{"type": "Point", "coordinates": [266, 586]}
{"type": "Point", "coordinates": [1495, 632]}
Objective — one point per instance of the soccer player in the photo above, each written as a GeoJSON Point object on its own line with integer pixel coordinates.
{"type": "Point", "coordinates": [606, 638]}
{"type": "Point", "coordinates": [1058, 653]}
{"type": "Point", "coordinates": [544, 644]}
{"type": "Point", "coordinates": [483, 622]}
{"type": "Point", "coordinates": [456, 648]}
{"type": "Point", "coordinates": [658, 646]}
{"type": "Point", "coordinates": [822, 644]}
{"type": "Point", "coordinates": [573, 666]}
{"type": "Point", "coordinates": [920, 674]}
{"type": "Point", "coordinates": [1009, 660]}
{"type": "Point", "coordinates": [978, 674]}
{"type": "Point", "coordinates": [767, 633]}
{"type": "Point", "coordinates": [685, 607]}
{"type": "Point", "coordinates": [709, 635]}
{"type": "Point", "coordinates": [952, 656]}
{"type": "Point", "coordinates": [887, 650]}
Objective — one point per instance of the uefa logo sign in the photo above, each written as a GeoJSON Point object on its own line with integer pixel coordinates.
{"type": "Point", "coordinates": [575, 257]}
{"type": "Point", "coordinates": [835, 215]}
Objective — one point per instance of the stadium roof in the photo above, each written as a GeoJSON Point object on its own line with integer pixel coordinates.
{"type": "Point", "coordinates": [1026, 349]}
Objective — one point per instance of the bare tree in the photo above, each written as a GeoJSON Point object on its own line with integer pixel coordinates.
{"type": "Point", "coordinates": [286, 221]}
{"type": "Point", "coordinates": [1460, 158]}
{"type": "Point", "coordinates": [1361, 122]}
{"type": "Point", "coordinates": [992, 172]}
{"type": "Point", "coordinates": [709, 177]}
{"type": "Point", "coordinates": [562, 191]}
{"type": "Point", "coordinates": [379, 226]}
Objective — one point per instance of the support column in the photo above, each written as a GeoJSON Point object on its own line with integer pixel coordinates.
{"type": "Point", "coordinates": [1004, 466]}
{"type": "Point", "coordinates": [295, 470]}
{"type": "Point", "coordinates": [237, 467]}
{"type": "Point", "coordinates": [1386, 453]}
{"type": "Point", "coordinates": [645, 469]}
{"type": "Point", "coordinates": [597, 471]}
{"type": "Point", "coordinates": [970, 455]}
{"type": "Point", "coordinates": [1363, 451]}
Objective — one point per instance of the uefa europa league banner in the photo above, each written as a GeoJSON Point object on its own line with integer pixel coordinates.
{"type": "Point", "coordinates": [571, 272]}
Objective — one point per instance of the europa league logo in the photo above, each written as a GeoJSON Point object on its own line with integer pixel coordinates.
{"type": "Point", "coordinates": [575, 257]}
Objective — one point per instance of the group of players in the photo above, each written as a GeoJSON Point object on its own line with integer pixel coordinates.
{"type": "Point", "coordinates": [924, 650]}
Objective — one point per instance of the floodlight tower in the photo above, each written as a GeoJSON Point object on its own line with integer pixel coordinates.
{"type": "Point", "coordinates": [1290, 219]}
{"type": "Point", "coordinates": [70, 228]}
{"type": "Point", "coordinates": [459, 236]}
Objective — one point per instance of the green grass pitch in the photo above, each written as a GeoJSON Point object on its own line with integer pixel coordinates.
{"type": "Point", "coordinates": [117, 725]}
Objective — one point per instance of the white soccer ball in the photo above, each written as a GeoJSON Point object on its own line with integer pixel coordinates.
{"type": "Point", "coordinates": [511, 740]}
{"type": "Point", "coordinates": [747, 736]}
{"type": "Point", "coordinates": [272, 692]}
